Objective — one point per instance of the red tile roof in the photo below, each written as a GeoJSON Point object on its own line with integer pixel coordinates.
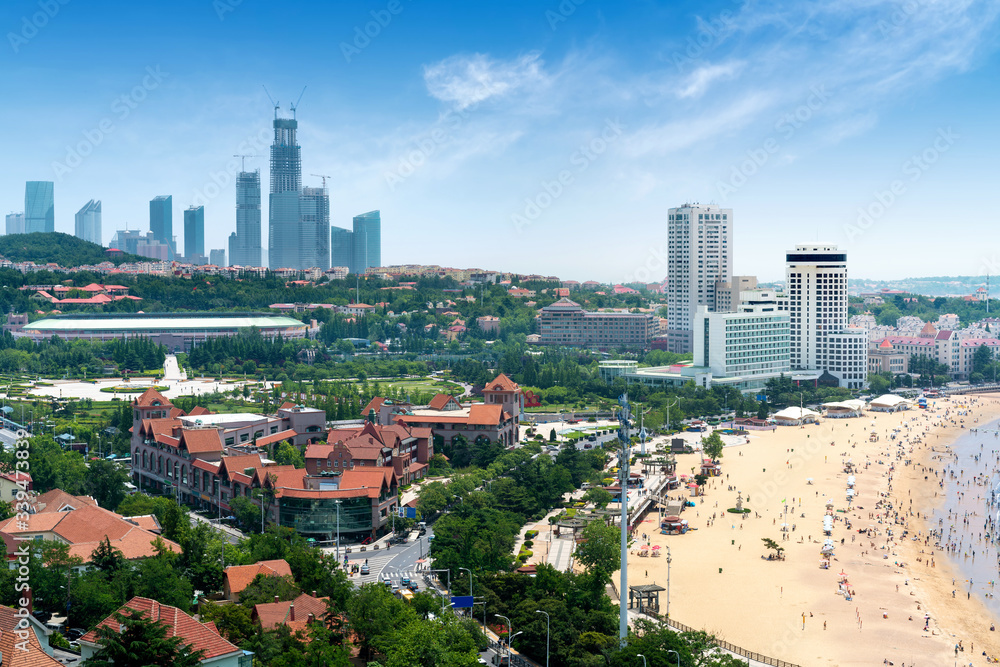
{"type": "Point", "coordinates": [238, 577]}
{"type": "Point", "coordinates": [56, 500]}
{"type": "Point", "coordinates": [201, 440]}
{"type": "Point", "coordinates": [294, 614]}
{"type": "Point", "coordinates": [23, 650]}
{"type": "Point", "coordinates": [374, 404]}
{"type": "Point", "coordinates": [198, 410]}
{"type": "Point", "coordinates": [151, 398]}
{"type": "Point", "coordinates": [198, 636]}
{"type": "Point", "coordinates": [440, 401]}
{"type": "Point", "coordinates": [502, 383]}
{"type": "Point", "coordinates": [287, 434]}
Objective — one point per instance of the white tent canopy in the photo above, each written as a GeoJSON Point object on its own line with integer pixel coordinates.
{"type": "Point", "coordinates": [852, 407]}
{"type": "Point", "coordinates": [889, 403]}
{"type": "Point", "coordinates": [795, 415]}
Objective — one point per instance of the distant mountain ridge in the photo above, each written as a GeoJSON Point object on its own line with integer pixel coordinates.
{"type": "Point", "coordinates": [929, 286]}
{"type": "Point", "coordinates": [65, 250]}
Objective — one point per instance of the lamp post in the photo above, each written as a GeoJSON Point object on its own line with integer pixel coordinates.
{"type": "Point", "coordinates": [624, 416]}
{"type": "Point", "coordinates": [547, 628]}
{"type": "Point", "coordinates": [449, 586]}
{"type": "Point", "coordinates": [678, 657]}
{"type": "Point", "coordinates": [510, 629]}
{"type": "Point", "coordinates": [669, 559]}
{"type": "Point", "coordinates": [510, 639]}
{"type": "Point", "coordinates": [640, 655]}
{"type": "Point", "coordinates": [470, 578]}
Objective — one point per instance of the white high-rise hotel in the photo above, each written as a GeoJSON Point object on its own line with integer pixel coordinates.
{"type": "Point", "coordinates": [816, 296]}
{"type": "Point", "coordinates": [699, 255]}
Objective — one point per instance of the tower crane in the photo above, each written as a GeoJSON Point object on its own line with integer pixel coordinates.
{"type": "Point", "coordinates": [324, 177]}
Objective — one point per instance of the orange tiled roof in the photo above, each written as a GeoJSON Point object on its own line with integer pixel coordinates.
{"type": "Point", "coordinates": [439, 401]}
{"type": "Point", "coordinates": [201, 441]}
{"type": "Point", "coordinates": [502, 383]}
{"type": "Point", "coordinates": [374, 404]}
{"type": "Point", "coordinates": [287, 434]}
{"type": "Point", "coordinates": [239, 576]}
{"type": "Point", "coordinates": [198, 636]}
{"type": "Point", "coordinates": [151, 398]}
{"type": "Point", "coordinates": [294, 614]}
{"type": "Point", "coordinates": [21, 651]}
{"type": "Point", "coordinates": [56, 500]}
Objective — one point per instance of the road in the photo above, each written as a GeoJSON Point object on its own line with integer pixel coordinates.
{"type": "Point", "coordinates": [393, 564]}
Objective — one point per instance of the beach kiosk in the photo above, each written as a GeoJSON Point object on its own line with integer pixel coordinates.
{"type": "Point", "coordinates": [795, 416]}
{"type": "Point", "coordinates": [673, 525]}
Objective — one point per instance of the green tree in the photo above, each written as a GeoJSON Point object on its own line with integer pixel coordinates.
{"type": "Point", "coordinates": [132, 640]}
{"type": "Point", "coordinates": [105, 482]}
{"type": "Point", "coordinates": [107, 558]}
{"type": "Point", "coordinates": [763, 410]}
{"type": "Point", "coordinates": [600, 550]}
{"type": "Point", "coordinates": [232, 620]}
{"type": "Point", "coordinates": [288, 454]}
{"type": "Point", "coordinates": [264, 589]}
{"type": "Point", "coordinates": [772, 545]}
{"type": "Point", "coordinates": [600, 497]}
{"type": "Point", "coordinates": [713, 445]}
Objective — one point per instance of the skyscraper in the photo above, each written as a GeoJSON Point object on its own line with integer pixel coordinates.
{"type": "Point", "coordinates": [88, 222]}
{"type": "Point", "coordinates": [284, 217]}
{"type": "Point", "coordinates": [315, 242]}
{"type": "Point", "coordinates": [366, 245]}
{"type": "Point", "coordinates": [341, 241]}
{"type": "Point", "coordinates": [161, 219]}
{"type": "Point", "coordinates": [15, 223]}
{"type": "Point", "coordinates": [699, 255]}
{"type": "Point", "coordinates": [244, 245]}
{"type": "Point", "coordinates": [816, 276]}
{"type": "Point", "coordinates": [39, 207]}
{"type": "Point", "coordinates": [194, 232]}
{"type": "Point", "coordinates": [217, 257]}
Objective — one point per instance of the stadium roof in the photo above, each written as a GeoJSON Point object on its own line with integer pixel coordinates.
{"type": "Point", "coordinates": [132, 323]}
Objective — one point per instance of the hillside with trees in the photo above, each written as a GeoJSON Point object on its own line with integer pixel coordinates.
{"type": "Point", "coordinates": [63, 249]}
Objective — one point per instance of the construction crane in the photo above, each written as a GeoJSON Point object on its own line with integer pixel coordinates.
{"type": "Point", "coordinates": [275, 104]}
{"type": "Point", "coordinates": [324, 177]}
{"type": "Point", "coordinates": [296, 105]}
{"type": "Point", "coordinates": [244, 160]}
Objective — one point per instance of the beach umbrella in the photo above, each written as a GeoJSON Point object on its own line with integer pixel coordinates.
{"type": "Point", "coordinates": [656, 547]}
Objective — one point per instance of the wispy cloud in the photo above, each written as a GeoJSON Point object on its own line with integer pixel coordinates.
{"type": "Point", "coordinates": [465, 80]}
{"type": "Point", "coordinates": [699, 81]}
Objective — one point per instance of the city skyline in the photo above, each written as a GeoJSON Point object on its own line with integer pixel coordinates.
{"type": "Point", "coordinates": [862, 136]}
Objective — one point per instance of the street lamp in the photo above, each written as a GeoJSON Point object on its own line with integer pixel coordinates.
{"type": "Point", "coordinates": [640, 655]}
{"type": "Point", "coordinates": [449, 586]}
{"type": "Point", "coordinates": [669, 560]}
{"type": "Point", "coordinates": [510, 629]}
{"type": "Point", "coordinates": [678, 657]}
{"type": "Point", "coordinates": [510, 639]}
{"type": "Point", "coordinates": [547, 626]}
{"type": "Point", "coordinates": [470, 578]}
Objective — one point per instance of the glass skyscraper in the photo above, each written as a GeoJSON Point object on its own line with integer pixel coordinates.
{"type": "Point", "coordinates": [315, 243]}
{"type": "Point", "coordinates": [39, 207]}
{"type": "Point", "coordinates": [15, 223]}
{"type": "Point", "coordinates": [161, 220]}
{"type": "Point", "coordinates": [88, 222]}
{"type": "Point", "coordinates": [340, 247]}
{"type": "Point", "coordinates": [244, 245]}
{"type": "Point", "coordinates": [366, 242]}
{"type": "Point", "coordinates": [284, 215]}
{"type": "Point", "coordinates": [194, 232]}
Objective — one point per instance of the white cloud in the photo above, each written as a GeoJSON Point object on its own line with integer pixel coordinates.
{"type": "Point", "coordinates": [699, 81]}
{"type": "Point", "coordinates": [464, 80]}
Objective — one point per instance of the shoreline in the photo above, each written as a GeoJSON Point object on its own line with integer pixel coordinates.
{"type": "Point", "coordinates": [719, 579]}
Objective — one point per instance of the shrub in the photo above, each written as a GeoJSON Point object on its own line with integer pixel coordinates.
{"type": "Point", "coordinates": [529, 544]}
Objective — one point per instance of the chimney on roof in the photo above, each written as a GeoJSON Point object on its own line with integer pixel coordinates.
{"type": "Point", "coordinates": [291, 612]}
{"type": "Point", "coordinates": [276, 599]}
{"type": "Point", "coordinates": [314, 594]}
{"type": "Point", "coordinates": [312, 617]}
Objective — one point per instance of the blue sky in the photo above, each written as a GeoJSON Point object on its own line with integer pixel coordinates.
{"type": "Point", "coordinates": [539, 137]}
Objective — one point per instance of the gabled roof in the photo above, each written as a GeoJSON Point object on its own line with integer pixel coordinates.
{"type": "Point", "coordinates": [151, 398]}
{"type": "Point", "coordinates": [266, 440]}
{"type": "Point", "coordinates": [374, 404]}
{"type": "Point", "coordinates": [198, 636]}
{"type": "Point", "coordinates": [441, 400]}
{"type": "Point", "coordinates": [24, 650]}
{"type": "Point", "coordinates": [238, 464]}
{"type": "Point", "coordinates": [58, 500]}
{"type": "Point", "coordinates": [294, 614]}
{"type": "Point", "coordinates": [502, 383]}
{"type": "Point", "coordinates": [198, 410]}
{"type": "Point", "coordinates": [239, 576]}
{"type": "Point", "coordinates": [487, 415]}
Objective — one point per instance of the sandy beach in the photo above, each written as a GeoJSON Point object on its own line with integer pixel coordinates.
{"type": "Point", "coordinates": [791, 609]}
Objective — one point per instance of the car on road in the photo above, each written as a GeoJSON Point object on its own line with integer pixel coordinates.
{"type": "Point", "coordinates": [406, 582]}
{"type": "Point", "coordinates": [388, 583]}
{"type": "Point", "coordinates": [414, 586]}
{"type": "Point", "coordinates": [75, 633]}
{"type": "Point", "coordinates": [365, 570]}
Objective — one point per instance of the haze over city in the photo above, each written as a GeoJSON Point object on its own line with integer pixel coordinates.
{"type": "Point", "coordinates": [536, 137]}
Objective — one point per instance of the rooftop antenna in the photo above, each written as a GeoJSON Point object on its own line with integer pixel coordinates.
{"type": "Point", "coordinates": [324, 177]}
{"type": "Point", "coordinates": [296, 105]}
{"type": "Point", "coordinates": [273, 103]}
{"type": "Point", "coordinates": [244, 161]}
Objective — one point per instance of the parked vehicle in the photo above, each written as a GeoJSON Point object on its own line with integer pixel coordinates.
{"type": "Point", "coordinates": [365, 570]}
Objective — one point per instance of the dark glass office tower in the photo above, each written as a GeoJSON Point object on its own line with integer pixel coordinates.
{"type": "Point", "coordinates": [194, 232]}
{"type": "Point", "coordinates": [39, 207]}
{"type": "Point", "coordinates": [366, 242]}
{"type": "Point", "coordinates": [244, 247]}
{"type": "Point", "coordinates": [341, 247]}
{"type": "Point", "coordinates": [315, 243]}
{"type": "Point", "coordinates": [161, 220]}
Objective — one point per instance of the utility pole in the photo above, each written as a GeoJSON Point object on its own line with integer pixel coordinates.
{"type": "Point", "coordinates": [624, 417]}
